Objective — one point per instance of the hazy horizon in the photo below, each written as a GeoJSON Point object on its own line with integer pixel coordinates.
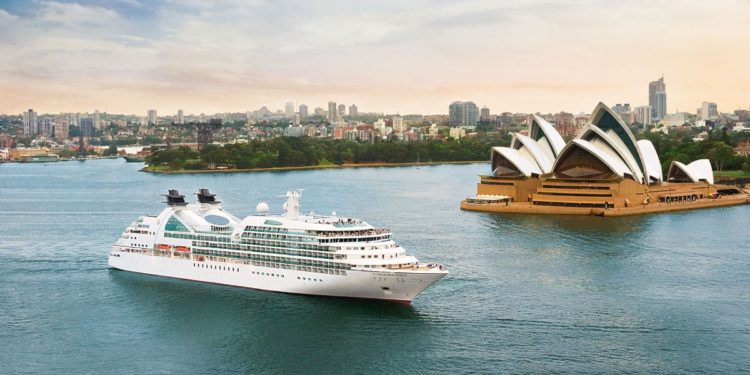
{"type": "Point", "coordinates": [128, 56]}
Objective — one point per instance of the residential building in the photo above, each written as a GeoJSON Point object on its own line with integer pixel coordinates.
{"type": "Point", "coordinates": [709, 111]}
{"type": "Point", "coordinates": [289, 109]}
{"type": "Point", "coordinates": [181, 117]}
{"type": "Point", "coordinates": [353, 112]}
{"type": "Point", "coordinates": [674, 119]}
{"type": "Point", "coordinates": [398, 124]}
{"type": "Point", "coordinates": [30, 125]}
{"type": "Point", "coordinates": [302, 110]}
{"type": "Point", "coordinates": [657, 99]}
{"type": "Point", "coordinates": [61, 127]}
{"type": "Point", "coordinates": [456, 133]}
{"type": "Point", "coordinates": [151, 117]}
{"type": "Point", "coordinates": [332, 112]}
{"type": "Point", "coordinates": [463, 114]}
{"type": "Point", "coordinates": [484, 114]}
{"type": "Point", "coordinates": [342, 110]}
{"type": "Point", "coordinates": [87, 127]}
{"type": "Point", "coordinates": [98, 123]}
{"type": "Point", "coordinates": [643, 114]}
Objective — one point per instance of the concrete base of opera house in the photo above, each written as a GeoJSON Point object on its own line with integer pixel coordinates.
{"type": "Point", "coordinates": [529, 208]}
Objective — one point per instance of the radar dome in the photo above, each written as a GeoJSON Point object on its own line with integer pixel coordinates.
{"type": "Point", "coordinates": [261, 208]}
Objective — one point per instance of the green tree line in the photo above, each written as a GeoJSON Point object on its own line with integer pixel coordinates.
{"type": "Point", "coordinates": [306, 151]}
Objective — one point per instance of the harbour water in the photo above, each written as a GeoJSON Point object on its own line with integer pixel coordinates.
{"type": "Point", "coordinates": [664, 293]}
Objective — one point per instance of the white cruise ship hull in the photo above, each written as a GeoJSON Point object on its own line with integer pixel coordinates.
{"type": "Point", "coordinates": [380, 285]}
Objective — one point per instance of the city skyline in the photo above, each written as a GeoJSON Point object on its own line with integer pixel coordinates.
{"type": "Point", "coordinates": [131, 56]}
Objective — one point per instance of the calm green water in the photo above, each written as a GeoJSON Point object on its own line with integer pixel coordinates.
{"type": "Point", "coordinates": [654, 294]}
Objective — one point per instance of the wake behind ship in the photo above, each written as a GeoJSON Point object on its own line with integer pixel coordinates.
{"type": "Point", "coordinates": [292, 253]}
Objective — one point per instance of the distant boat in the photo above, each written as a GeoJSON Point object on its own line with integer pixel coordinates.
{"type": "Point", "coordinates": [43, 158]}
{"type": "Point", "coordinates": [134, 158]}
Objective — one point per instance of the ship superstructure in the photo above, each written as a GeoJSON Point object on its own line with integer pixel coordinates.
{"type": "Point", "coordinates": [291, 252]}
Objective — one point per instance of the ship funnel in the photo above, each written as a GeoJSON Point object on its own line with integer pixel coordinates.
{"type": "Point", "coordinates": [291, 206]}
{"type": "Point", "coordinates": [204, 196]}
{"type": "Point", "coordinates": [174, 198]}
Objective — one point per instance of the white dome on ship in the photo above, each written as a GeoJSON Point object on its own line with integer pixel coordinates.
{"type": "Point", "coordinates": [261, 208]}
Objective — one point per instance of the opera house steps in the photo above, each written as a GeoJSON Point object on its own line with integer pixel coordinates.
{"type": "Point", "coordinates": [603, 171]}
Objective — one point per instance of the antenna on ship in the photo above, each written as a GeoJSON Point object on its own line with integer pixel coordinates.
{"type": "Point", "coordinates": [174, 198]}
{"type": "Point", "coordinates": [204, 196]}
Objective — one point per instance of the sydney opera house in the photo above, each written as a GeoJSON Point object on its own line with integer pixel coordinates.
{"type": "Point", "coordinates": [602, 171]}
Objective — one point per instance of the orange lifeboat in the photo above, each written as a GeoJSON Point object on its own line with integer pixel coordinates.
{"type": "Point", "coordinates": [163, 247]}
{"type": "Point", "coordinates": [182, 248]}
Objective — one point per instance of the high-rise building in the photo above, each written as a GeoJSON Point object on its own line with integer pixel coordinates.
{"type": "Point", "coordinates": [151, 117]}
{"type": "Point", "coordinates": [302, 110]}
{"type": "Point", "coordinates": [319, 111]}
{"type": "Point", "coordinates": [463, 114]}
{"type": "Point", "coordinates": [657, 99]}
{"type": "Point", "coordinates": [332, 112]}
{"type": "Point", "coordinates": [621, 109]}
{"type": "Point", "coordinates": [98, 120]}
{"type": "Point", "coordinates": [484, 113]}
{"type": "Point", "coordinates": [709, 111]}
{"type": "Point", "coordinates": [342, 110]}
{"type": "Point", "coordinates": [87, 127]}
{"type": "Point", "coordinates": [398, 124]}
{"type": "Point", "coordinates": [61, 127]}
{"type": "Point", "coordinates": [30, 125]}
{"type": "Point", "coordinates": [643, 114]}
{"type": "Point", "coordinates": [289, 109]}
{"type": "Point", "coordinates": [353, 111]}
{"type": "Point", "coordinates": [180, 117]}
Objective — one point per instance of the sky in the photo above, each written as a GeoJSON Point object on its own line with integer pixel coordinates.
{"type": "Point", "coordinates": [392, 56]}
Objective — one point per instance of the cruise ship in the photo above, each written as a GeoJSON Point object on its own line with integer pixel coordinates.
{"type": "Point", "coordinates": [291, 252]}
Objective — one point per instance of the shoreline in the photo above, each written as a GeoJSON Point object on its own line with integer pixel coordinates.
{"type": "Point", "coordinates": [314, 167]}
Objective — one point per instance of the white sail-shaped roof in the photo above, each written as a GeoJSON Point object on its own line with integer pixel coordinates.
{"type": "Point", "coordinates": [615, 147]}
{"type": "Point", "coordinates": [615, 165]}
{"type": "Point", "coordinates": [543, 132]}
{"type": "Point", "coordinates": [695, 171]}
{"type": "Point", "coordinates": [608, 121]}
{"type": "Point", "coordinates": [523, 162]}
{"type": "Point", "coordinates": [651, 158]}
{"type": "Point", "coordinates": [543, 158]}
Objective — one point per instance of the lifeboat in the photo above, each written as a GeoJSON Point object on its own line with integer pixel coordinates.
{"type": "Point", "coordinates": [182, 248]}
{"type": "Point", "coordinates": [163, 247]}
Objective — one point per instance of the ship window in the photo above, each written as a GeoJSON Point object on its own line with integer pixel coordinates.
{"type": "Point", "coordinates": [174, 225]}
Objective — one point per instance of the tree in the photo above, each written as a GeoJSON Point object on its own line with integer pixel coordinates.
{"type": "Point", "coordinates": [720, 153]}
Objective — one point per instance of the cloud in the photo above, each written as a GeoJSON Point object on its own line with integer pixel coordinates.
{"type": "Point", "coordinates": [416, 56]}
{"type": "Point", "coordinates": [74, 14]}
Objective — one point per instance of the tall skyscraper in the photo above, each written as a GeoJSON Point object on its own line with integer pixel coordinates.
{"type": "Point", "coordinates": [289, 109]}
{"type": "Point", "coordinates": [180, 117]}
{"type": "Point", "coordinates": [463, 114]}
{"type": "Point", "coordinates": [87, 127]}
{"type": "Point", "coordinates": [353, 111]}
{"type": "Point", "coordinates": [98, 120]}
{"type": "Point", "coordinates": [151, 114]}
{"type": "Point", "coordinates": [302, 110]}
{"type": "Point", "coordinates": [30, 125]}
{"type": "Point", "coordinates": [709, 111]}
{"type": "Point", "coordinates": [61, 127]}
{"type": "Point", "coordinates": [342, 110]}
{"type": "Point", "coordinates": [657, 99]}
{"type": "Point", "coordinates": [332, 112]}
